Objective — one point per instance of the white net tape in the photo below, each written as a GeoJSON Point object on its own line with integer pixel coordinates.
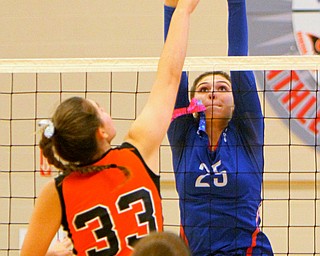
{"type": "Point", "coordinates": [150, 64]}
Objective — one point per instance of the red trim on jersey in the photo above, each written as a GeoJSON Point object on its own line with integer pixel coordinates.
{"type": "Point", "coordinates": [183, 236]}
{"type": "Point", "coordinates": [254, 242]}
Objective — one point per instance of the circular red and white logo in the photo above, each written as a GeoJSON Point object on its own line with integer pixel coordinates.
{"type": "Point", "coordinates": [288, 27]}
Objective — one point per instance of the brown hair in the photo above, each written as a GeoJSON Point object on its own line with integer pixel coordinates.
{"type": "Point", "coordinates": [161, 243]}
{"type": "Point", "coordinates": [210, 73]}
{"type": "Point", "coordinates": [75, 124]}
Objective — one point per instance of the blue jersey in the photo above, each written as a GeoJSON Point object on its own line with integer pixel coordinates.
{"type": "Point", "coordinates": [220, 191]}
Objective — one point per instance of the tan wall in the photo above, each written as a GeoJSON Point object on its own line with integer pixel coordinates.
{"type": "Point", "coordinates": [103, 28]}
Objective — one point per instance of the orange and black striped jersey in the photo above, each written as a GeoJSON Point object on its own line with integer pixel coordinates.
{"type": "Point", "coordinates": [106, 212]}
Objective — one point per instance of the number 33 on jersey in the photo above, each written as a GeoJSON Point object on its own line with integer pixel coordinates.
{"type": "Point", "coordinates": [105, 213]}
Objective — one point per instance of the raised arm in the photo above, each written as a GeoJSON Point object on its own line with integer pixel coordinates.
{"type": "Point", "coordinates": [149, 129]}
{"type": "Point", "coordinates": [243, 82]}
{"type": "Point", "coordinates": [237, 28]}
{"type": "Point", "coordinates": [182, 97]}
{"type": "Point", "coordinates": [247, 104]}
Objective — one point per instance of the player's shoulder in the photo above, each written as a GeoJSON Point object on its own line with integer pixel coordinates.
{"type": "Point", "coordinates": [49, 186]}
{"type": "Point", "coordinates": [48, 192]}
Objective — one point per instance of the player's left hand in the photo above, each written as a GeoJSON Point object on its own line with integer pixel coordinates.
{"type": "Point", "coordinates": [61, 248]}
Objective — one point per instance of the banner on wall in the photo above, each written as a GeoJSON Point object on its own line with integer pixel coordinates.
{"type": "Point", "coordinates": [288, 27]}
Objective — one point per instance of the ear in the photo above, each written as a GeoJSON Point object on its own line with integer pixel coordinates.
{"type": "Point", "coordinates": [101, 133]}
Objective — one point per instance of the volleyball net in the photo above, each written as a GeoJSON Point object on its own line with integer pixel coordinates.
{"type": "Point", "coordinates": [288, 88]}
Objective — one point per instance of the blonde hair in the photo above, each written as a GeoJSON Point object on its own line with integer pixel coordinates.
{"type": "Point", "coordinates": [160, 244]}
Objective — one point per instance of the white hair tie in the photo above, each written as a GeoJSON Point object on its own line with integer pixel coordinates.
{"type": "Point", "coordinates": [48, 127]}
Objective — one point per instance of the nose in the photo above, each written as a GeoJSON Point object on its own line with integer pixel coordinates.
{"type": "Point", "coordinates": [211, 94]}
